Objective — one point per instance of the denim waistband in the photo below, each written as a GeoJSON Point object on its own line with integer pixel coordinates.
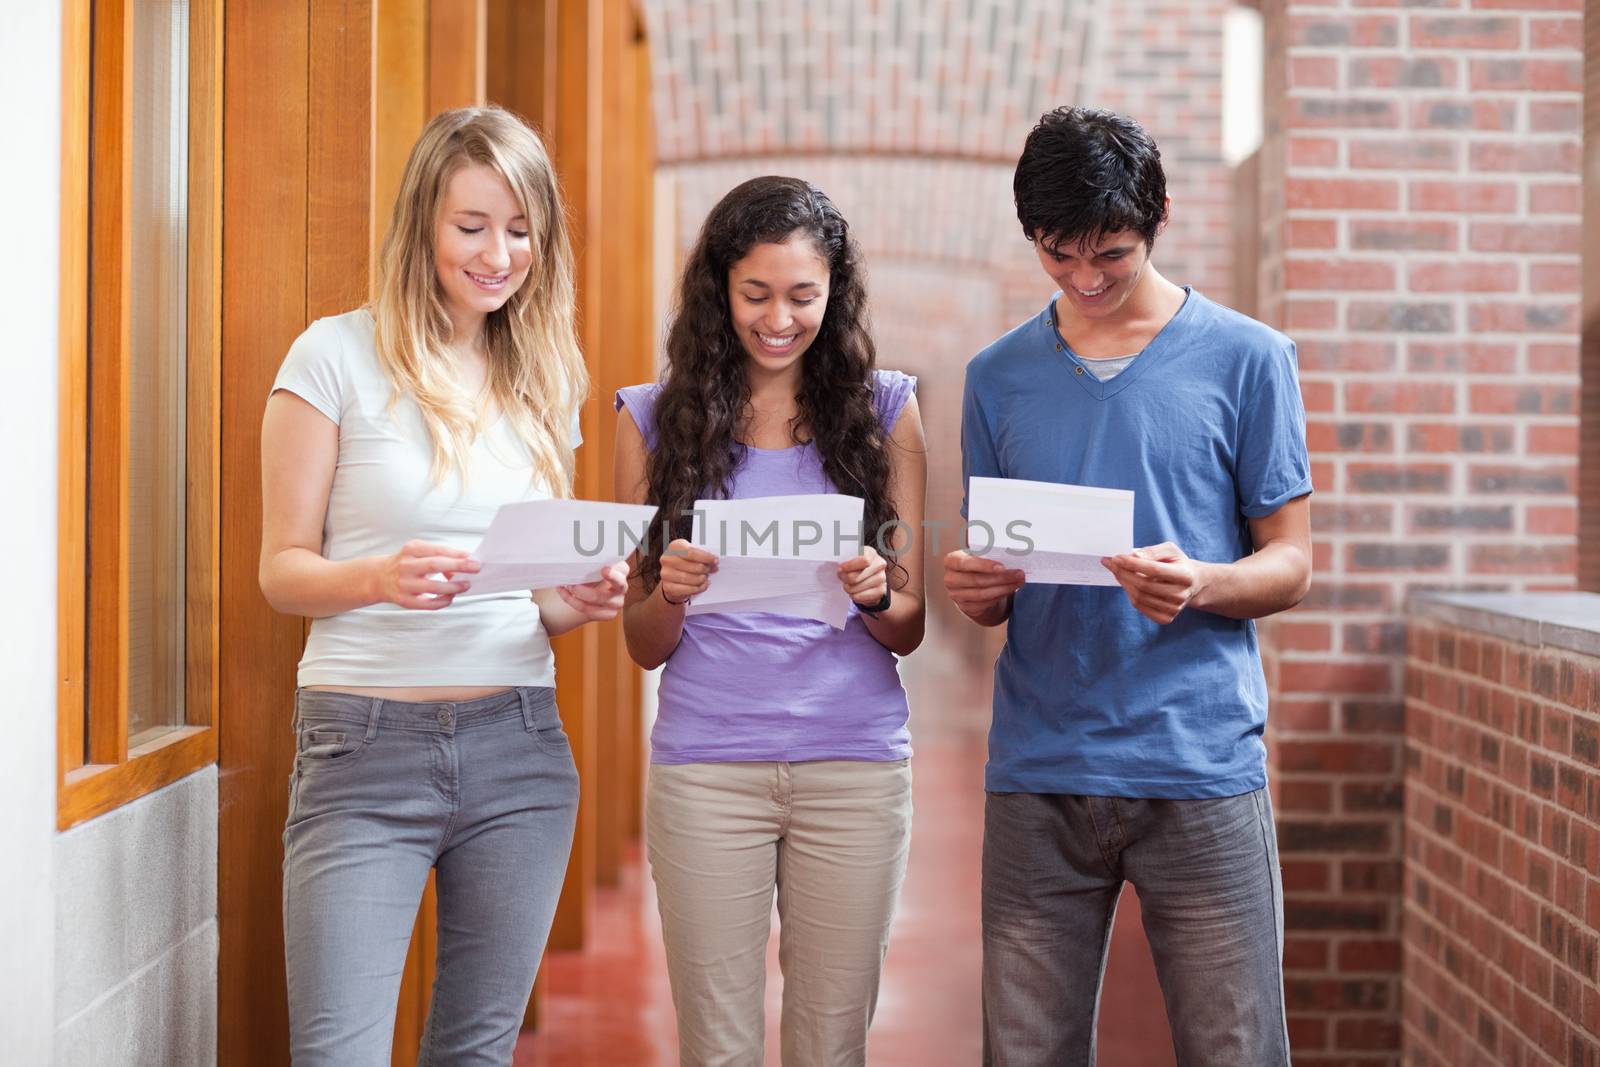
{"type": "Point", "coordinates": [438, 716]}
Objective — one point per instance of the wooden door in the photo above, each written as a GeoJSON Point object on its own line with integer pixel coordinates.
{"type": "Point", "coordinates": [266, 115]}
{"type": "Point", "coordinates": [298, 219]}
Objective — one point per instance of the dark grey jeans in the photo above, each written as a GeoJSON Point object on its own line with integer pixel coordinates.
{"type": "Point", "coordinates": [1211, 894]}
{"type": "Point", "coordinates": [383, 791]}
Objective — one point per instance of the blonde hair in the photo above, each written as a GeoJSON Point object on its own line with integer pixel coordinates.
{"type": "Point", "coordinates": [536, 373]}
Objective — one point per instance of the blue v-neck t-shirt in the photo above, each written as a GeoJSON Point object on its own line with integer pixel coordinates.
{"type": "Point", "coordinates": [1207, 428]}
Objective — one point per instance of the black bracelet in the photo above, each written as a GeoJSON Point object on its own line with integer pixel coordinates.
{"type": "Point", "coordinates": [675, 603]}
{"type": "Point", "coordinates": [875, 609]}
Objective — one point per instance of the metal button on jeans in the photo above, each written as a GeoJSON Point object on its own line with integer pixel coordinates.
{"type": "Point", "coordinates": [444, 716]}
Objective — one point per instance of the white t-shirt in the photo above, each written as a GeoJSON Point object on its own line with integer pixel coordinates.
{"type": "Point", "coordinates": [383, 495]}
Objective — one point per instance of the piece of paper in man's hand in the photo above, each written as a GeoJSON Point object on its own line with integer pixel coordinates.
{"type": "Point", "coordinates": [779, 554]}
{"type": "Point", "coordinates": [1070, 527]}
{"type": "Point", "coordinates": [539, 544]}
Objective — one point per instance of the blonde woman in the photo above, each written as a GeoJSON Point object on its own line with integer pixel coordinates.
{"type": "Point", "coordinates": [425, 717]}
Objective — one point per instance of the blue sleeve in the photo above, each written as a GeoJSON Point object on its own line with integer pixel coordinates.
{"type": "Point", "coordinates": [640, 400]}
{"type": "Point", "coordinates": [1272, 466]}
{"type": "Point", "coordinates": [978, 456]}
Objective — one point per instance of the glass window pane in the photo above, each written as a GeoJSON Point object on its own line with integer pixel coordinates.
{"type": "Point", "coordinates": [157, 455]}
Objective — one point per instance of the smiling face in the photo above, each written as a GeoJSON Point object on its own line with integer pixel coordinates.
{"type": "Point", "coordinates": [481, 249]}
{"type": "Point", "coordinates": [777, 295]}
{"type": "Point", "coordinates": [1097, 278]}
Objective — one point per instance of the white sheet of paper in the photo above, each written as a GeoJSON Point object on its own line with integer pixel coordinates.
{"type": "Point", "coordinates": [809, 589]}
{"type": "Point", "coordinates": [537, 544]}
{"type": "Point", "coordinates": [832, 608]}
{"type": "Point", "coordinates": [779, 554]}
{"type": "Point", "coordinates": [1071, 527]}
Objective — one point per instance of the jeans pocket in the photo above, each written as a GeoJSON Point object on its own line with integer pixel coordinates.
{"type": "Point", "coordinates": [548, 733]}
{"type": "Point", "coordinates": [328, 744]}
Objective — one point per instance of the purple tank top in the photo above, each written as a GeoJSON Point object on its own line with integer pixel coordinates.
{"type": "Point", "coordinates": [775, 687]}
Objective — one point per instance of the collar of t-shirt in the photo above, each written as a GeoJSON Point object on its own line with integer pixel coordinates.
{"type": "Point", "coordinates": [1103, 369]}
{"type": "Point", "coordinates": [1107, 369]}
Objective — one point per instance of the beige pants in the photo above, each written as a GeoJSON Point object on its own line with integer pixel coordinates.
{"type": "Point", "coordinates": [831, 838]}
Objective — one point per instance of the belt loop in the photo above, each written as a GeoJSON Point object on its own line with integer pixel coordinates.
{"type": "Point", "coordinates": [372, 719]}
{"type": "Point", "coordinates": [527, 706]}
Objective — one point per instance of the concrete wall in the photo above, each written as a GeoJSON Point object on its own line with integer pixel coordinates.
{"type": "Point", "coordinates": [136, 931]}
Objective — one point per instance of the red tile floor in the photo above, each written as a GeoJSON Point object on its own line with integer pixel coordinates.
{"type": "Point", "coordinates": [610, 1005]}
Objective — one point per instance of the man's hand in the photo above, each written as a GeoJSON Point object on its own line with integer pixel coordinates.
{"type": "Point", "coordinates": [981, 588]}
{"type": "Point", "coordinates": [1160, 580]}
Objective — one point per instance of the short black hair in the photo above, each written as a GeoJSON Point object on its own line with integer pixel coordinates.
{"type": "Point", "coordinates": [1085, 173]}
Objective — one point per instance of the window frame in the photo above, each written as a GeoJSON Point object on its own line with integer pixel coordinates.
{"type": "Point", "coordinates": [96, 770]}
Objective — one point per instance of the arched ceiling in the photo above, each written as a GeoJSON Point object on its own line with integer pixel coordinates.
{"type": "Point", "coordinates": [951, 78]}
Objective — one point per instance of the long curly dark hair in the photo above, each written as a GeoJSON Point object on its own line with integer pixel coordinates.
{"type": "Point", "coordinates": [705, 395]}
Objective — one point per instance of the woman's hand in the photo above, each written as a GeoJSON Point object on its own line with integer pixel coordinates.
{"type": "Point", "coordinates": [403, 577]}
{"type": "Point", "coordinates": [866, 577]}
{"type": "Point", "coordinates": [685, 572]}
{"type": "Point", "coordinates": [599, 600]}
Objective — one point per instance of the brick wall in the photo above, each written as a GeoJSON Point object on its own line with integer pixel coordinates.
{"type": "Point", "coordinates": [1589, 373]}
{"type": "Point", "coordinates": [1160, 61]}
{"type": "Point", "coordinates": [1421, 192]}
{"type": "Point", "coordinates": [1502, 867]}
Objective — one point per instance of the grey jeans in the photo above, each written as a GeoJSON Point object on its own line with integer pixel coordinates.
{"type": "Point", "coordinates": [383, 791]}
{"type": "Point", "coordinates": [1211, 894]}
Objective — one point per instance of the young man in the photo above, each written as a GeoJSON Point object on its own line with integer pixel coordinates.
{"type": "Point", "coordinates": [1126, 743]}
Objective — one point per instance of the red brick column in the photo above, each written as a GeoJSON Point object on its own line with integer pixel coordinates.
{"type": "Point", "coordinates": [1502, 869]}
{"type": "Point", "coordinates": [1420, 191]}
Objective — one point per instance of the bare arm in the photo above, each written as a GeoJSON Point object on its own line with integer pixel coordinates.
{"type": "Point", "coordinates": [299, 450]}
{"type": "Point", "coordinates": [901, 628]}
{"type": "Point", "coordinates": [1162, 581]}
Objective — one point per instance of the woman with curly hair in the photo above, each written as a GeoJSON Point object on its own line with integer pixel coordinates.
{"type": "Point", "coordinates": [779, 755]}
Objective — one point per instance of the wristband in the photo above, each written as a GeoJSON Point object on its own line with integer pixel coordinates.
{"type": "Point", "coordinates": [874, 609]}
{"type": "Point", "coordinates": [675, 603]}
